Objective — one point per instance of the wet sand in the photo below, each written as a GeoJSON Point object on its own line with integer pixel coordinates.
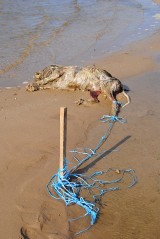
{"type": "Point", "coordinates": [31, 40]}
{"type": "Point", "coordinates": [30, 153]}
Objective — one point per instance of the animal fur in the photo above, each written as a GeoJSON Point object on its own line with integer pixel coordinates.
{"type": "Point", "coordinates": [90, 78]}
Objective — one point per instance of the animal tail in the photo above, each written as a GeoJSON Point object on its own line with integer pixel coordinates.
{"type": "Point", "coordinates": [128, 99]}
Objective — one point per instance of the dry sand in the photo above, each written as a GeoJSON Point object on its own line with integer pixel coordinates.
{"type": "Point", "coordinates": [30, 153]}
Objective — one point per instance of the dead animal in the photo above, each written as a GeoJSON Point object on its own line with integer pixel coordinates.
{"type": "Point", "coordinates": [95, 80]}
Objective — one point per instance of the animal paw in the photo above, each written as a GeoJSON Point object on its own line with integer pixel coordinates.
{"type": "Point", "coordinates": [32, 87]}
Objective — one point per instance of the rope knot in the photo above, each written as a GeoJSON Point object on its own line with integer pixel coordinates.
{"type": "Point", "coordinates": [112, 118]}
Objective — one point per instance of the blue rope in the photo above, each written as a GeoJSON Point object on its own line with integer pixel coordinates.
{"type": "Point", "coordinates": [112, 118]}
{"type": "Point", "coordinates": [70, 186]}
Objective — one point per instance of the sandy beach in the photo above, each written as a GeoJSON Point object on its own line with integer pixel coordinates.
{"type": "Point", "coordinates": [30, 153]}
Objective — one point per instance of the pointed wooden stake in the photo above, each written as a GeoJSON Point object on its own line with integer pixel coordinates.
{"type": "Point", "coordinates": [63, 138]}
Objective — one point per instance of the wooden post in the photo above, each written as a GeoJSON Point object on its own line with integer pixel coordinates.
{"type": "Point", "coordinates": [63, 137]}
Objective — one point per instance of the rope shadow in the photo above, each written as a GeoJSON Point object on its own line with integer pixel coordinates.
{"type": "Point", "coordinates": [107, 152]}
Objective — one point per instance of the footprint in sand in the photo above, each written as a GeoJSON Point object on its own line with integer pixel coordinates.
{"type": "Point", "coordinates": [32, 233]}
{"type": "Point", "coordinates": [29, 233]}
{"type": "Point", "coordinates": [44, 222]}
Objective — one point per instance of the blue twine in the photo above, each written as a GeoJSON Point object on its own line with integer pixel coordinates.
{"type": "Point", "coordinates": [112, 118]}
{"type": "Point", "coordinates": [69, 185]}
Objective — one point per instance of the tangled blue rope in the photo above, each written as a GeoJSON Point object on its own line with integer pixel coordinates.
{"type": "Point", "coordinates": [71, 185]}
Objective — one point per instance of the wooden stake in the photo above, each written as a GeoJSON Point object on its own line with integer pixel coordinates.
{"type": "Point", "coordinates": [63, 137]}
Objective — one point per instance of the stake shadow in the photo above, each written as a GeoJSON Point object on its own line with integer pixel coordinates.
{"type": "Point", "coordinates": [107, 152]}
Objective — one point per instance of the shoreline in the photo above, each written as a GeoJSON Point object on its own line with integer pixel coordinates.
{"type": "Point", "coordinates": [140, 56]}
{"type": "Point", "coordinates": [137, 53]}
{"type": "Point", "coordinates": [30, 152]}
{"type": "Point", "coordinates": [35, 54]}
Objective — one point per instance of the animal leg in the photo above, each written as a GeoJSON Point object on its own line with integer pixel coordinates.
{"type": "Point", "coordinates": [32, 87]}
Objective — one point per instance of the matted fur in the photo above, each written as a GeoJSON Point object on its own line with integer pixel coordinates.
{"type": "Point", "coordinates": [88, 78]}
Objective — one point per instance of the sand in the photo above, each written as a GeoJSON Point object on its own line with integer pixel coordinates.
{"type": "Point", "coordinates": [157, 1]}
{"type": "Point", "coordinates": [30, 153]}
